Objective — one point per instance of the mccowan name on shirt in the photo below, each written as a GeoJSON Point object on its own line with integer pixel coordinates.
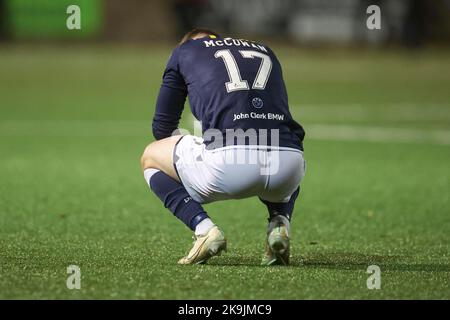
{"type": "Point", "coordinates": [254, 115]}
{"type": "Point", "coordinates": [234, 42]}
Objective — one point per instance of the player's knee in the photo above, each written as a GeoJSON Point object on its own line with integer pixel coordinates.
{"type": "Point", "coordinates": [146, 158]}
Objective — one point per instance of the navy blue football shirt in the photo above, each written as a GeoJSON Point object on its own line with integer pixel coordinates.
{"type": "Point", "coordinates": [233, 85]}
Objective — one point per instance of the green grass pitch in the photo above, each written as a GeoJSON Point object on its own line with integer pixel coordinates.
{"type": "Point", "coordinates": [75, 120]}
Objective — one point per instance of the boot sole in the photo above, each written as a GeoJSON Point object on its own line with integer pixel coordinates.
{"type": "Point", "coordinates": [280, 248]}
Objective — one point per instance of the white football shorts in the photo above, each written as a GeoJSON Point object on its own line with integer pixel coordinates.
{"type": "Point", "coordinates": [236, 172]}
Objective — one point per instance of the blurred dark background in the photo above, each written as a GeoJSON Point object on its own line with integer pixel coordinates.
{"type": "Point", "coordinates": [412, 23]}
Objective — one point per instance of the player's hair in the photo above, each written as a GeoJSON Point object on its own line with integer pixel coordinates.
{"type": "Point", "coordinates": [197, 31]}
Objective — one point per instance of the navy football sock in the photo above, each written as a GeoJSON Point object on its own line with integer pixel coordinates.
{"type": "Point", "coordinates": [175, 198]}
{"type": "Point", "coordinates": [283, 209]}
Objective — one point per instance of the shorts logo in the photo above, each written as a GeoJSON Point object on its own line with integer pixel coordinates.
{"type": "Point", "coordinates": [257, 103]}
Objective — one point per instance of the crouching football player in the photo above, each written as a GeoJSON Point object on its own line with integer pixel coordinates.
{"type": "Point", "coordinates": [250, 147]}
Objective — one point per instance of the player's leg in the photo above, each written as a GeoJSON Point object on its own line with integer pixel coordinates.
{"type": "Point", "coordinates": [160, 174]}
{"type": "Point", "coordinates": [279, 197]}
{"type": "Point", "coordinates": [159, 155]}
{"type": "Point", "coordinates": [283, 209]}
{"type": "Point", "coordinates": [278, 230]}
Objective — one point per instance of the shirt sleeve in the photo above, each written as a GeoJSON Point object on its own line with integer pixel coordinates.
{"type": "Point", "coordinates": [171, 99]}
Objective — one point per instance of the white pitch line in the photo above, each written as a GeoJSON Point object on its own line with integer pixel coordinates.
{"type": "Point", "coordinates": [376, 134]}
{"type": "Point", "coordinates": [336, 132]}
{"type": "Point", "coordinates": [386, 113]}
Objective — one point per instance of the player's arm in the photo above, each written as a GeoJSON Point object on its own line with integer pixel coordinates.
{"type": "Point", "coordinates": [171, 99]}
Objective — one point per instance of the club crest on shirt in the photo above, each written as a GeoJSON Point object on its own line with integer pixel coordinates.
{"type": "Point", "coordinates": [257, 103]}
